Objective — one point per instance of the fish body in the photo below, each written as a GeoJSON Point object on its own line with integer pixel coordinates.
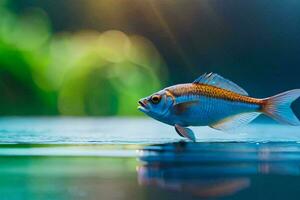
{"type": "Point", "coordinates": [200, 105]}
{"type": "Point", "coordinates": [214, 101]}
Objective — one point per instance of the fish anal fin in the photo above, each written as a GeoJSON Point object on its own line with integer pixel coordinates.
{"type": "Point", "coordinates": [182, 107]}
{"type": "Point", "coordinates": [235, 121]}
{"type": "Point", "coordinates": [218, 81]}
{"type": "Point", "coordinates": [185, 132]}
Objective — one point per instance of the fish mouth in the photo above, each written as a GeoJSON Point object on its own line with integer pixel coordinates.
{"type": "Point", "coordinates": [142, 106]}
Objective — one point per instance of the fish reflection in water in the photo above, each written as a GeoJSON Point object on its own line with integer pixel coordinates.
{"type": "Point", "coordinates": [215, 169]}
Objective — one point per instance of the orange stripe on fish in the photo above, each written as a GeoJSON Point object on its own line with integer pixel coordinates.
{"type": "Point", "coordinates": [211, 91]}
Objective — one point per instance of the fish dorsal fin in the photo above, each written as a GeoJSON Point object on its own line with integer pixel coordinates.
{"type": "Point", "coordinates": [235, 121]}
{"type": "Point", "coordinates": [218, 81]}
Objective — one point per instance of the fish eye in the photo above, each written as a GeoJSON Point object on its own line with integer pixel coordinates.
{"type": "Point", "coordinates": [155, 99]}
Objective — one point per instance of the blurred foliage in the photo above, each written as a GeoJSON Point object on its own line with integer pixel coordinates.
{"type": "Point", "coordinates": [82, 73]}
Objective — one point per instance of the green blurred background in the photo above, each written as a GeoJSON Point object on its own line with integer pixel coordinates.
{"type": "Point", "coordinates": [98, 57]}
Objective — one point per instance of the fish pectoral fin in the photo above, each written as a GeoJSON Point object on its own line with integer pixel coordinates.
{"type": "Point", "coordinates": [235, 121]}
{"type": "Point", "coordinates": [182, 107]}
{"type": "Point", "coordinates": [185, 132]}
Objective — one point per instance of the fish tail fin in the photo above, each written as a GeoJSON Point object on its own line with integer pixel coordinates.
{"type": "Point", "coordinates": [279, 108]}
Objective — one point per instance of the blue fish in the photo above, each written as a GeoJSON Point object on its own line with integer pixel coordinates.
{"type": "Point", "coordinates": [214, 101]}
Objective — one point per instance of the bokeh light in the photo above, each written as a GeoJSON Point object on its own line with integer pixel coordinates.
{"type": "Point", "coordinates": [73, 73]}
{"type": "Point", "coordinates": [106, 80]}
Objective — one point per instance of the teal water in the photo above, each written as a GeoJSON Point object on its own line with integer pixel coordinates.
{"type": "Point", "coordinates": [121, 158]}
{"type": "Point", "coordinates": [127, 131]}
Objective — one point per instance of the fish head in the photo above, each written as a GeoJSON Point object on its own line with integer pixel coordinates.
{"type": "Point", "coordinates": [156, 105]}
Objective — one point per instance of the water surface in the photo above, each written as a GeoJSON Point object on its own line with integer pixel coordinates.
{"type": "Point", "coordinates": [119, 158]}
{"type": "Point", "coordinates": [127, 131]}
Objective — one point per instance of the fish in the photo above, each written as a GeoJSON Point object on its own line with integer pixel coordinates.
{"type": "Point", "coordinates": [214, 101]}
